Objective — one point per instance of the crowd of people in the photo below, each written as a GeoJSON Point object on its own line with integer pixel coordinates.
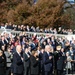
{"type": "Point", "coordinates": [25, 55]}
{"type": "Point", "coordinates": [37, 29]}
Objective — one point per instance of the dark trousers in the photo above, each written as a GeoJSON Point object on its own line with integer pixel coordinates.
{"type": "Point", "coordinates": [47, 73]}
{"type": "Point", "coordinates": [42, 71]}
{"type": "Point", "coordinates": [59, 72]}
{"type": "Point", "coordinates": [8, 71]}
{"type": "Point", "coordinates": [27, 71]}
{"type": "Point", "coordinates": [69, 71]}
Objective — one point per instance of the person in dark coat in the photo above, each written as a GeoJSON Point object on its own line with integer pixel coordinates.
{"type": "Point", "coordinates": [34, 63]}
{"type": "Point", "coordinates": [2, 65]}
{"type": "Point", "coordinates": [47, 60]}
{"type": "Point", "coordinates": [41, 61]}
{"type": "Point", "coordinates": [2, 42]}
{"type": "Point", "coordinates": [61, 62]}
{"type": "Point", "coordinates": [17, 66]}
{"type": "Point", "coordinates": [26, 61]}
{"type": "Point", "coordinates": [3, 50]}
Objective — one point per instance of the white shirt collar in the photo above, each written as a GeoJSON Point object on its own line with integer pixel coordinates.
{"type": "Point", "coordinates": [18, 53]}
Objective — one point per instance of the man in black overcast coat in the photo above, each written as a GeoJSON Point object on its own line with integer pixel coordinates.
{"type": "Point", "coordinates": [17, 67]}
{"type": "Point", "coordinates": [26, 61]}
